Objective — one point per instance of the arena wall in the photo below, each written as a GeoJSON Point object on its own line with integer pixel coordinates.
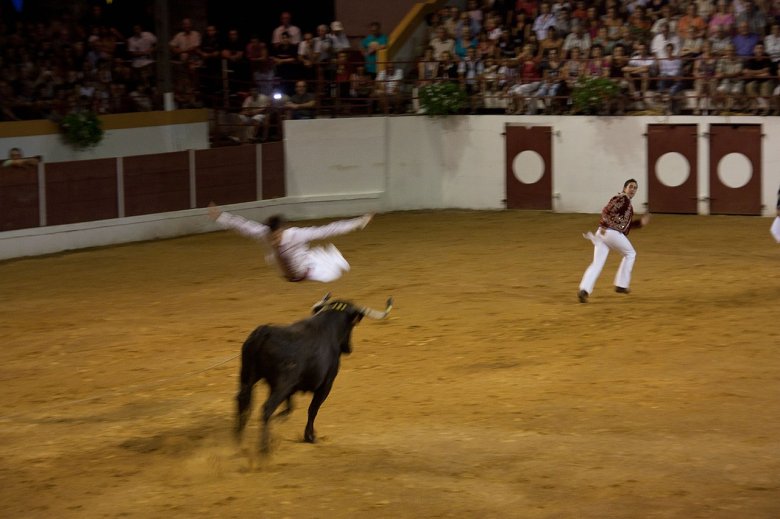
{"type": "Point", "coordinates": [337, 167]}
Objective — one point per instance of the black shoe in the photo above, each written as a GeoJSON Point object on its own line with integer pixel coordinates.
{"type": "Point", "coordinates": [582, 296]}
{"type": "Point", "coordinates": [621, 290]}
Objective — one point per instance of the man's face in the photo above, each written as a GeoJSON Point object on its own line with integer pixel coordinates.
{"type": "Point", "coordinates": [285, 19]}
{"type": "Point", "coordinates": [186, 25]}
{"type": "Point", "coordinates": [15, 154]}
{"type": "Point", "coordinates": [631, 189]}
{"type": "Point", "coordinates": [300, 87]}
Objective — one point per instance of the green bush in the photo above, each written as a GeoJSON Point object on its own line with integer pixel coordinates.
{"type": "Point", "coordinates": [445, 98]}
{"type": "Point", "coordinates": [81, 130]}
{"type": "Point", "coordinates": [591, 95]}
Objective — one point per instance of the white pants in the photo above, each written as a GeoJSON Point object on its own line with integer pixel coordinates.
{"type": "Point", "coordinates": [326, 264]}
{"type": "Point", "coordinates": [775, 229]}
{"type": "Point", "coordinates": [602, 244]}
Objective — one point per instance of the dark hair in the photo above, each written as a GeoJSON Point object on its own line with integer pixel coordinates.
{"type": "Point", "coordinates": [627, 182]}
{"type": "Point", "coordinates": [274, 222]}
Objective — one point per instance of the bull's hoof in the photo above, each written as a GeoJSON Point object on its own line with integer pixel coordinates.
{"type": "Point", "coordinates": [309, 438]}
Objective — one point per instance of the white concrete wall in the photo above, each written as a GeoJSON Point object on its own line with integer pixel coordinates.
{"type": "Point", "coordinates": [341, 167]}
{"type": "Point", "coordinates": [115, 143]}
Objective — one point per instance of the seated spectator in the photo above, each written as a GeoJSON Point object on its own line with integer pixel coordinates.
{"type": "Point", "coordinates": [552, 41]}
{"type": "Point", "coordinates": [441, 43]}
{"type": "Point", "coordinates": [362, 86]}
{"type": "Point", "coordinates": [744, 41]}
{"type": "Point", "coordinates": [389, 83]}
{"type": "Point", "coordinates": [578, 38]}
{"type": "Point", "coordinates": [720, 41]}
{"type": "Point", "coordinates": [704, 82]}
{"type": "Point", "coordinates": [754, 17]}
{"type": "Point", "coordinates": [340, 39]}
{"type": "Point", "coordinates": [427, 68]}
{"type": "Point", "coordinates": [528, 82]}
{"type": "Point", "coordinates": [255, 114]}
{"type": "Point", "coordinates": [722, 17]}
{"type": "Point", "coordinates": [466, 41]}
{"type": "Point", "coordinates": [470, 70]}
{"type": "Point", "coordinates": [448, 67]}
{"type": "Point", "coordinates": [758, 71]}
{"type": "Point", "coordinates": [728, 73]}
{"type": "Point", "coordinates": [302, 103]}
{"type": "Point", "coordinates": [669, 82]}
{"type": "Point", "coordinates": [660, 41]}
{"type": "Point", "coordinates": [17, 160]}
{"type": "Point", "coordinates": [638, 71]}
{"type": "Point", "coordinates": [691, 19]}
{"type": "Point", "coordinates": [261, 65]}
{"type": "Point", "coordinates": [552, 81]}
{"type": "Point", "coordinates": [286, 26]}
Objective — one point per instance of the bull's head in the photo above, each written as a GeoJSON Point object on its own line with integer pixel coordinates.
{"type": "Point", "coordinates": [355, 313]}
{"type": "Point", "coordinates": [362, 311]}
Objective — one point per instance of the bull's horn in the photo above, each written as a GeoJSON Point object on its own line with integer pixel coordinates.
{"type": "Point", "coordinates": [321, 302]}
{"type": "Point", "coordinates": [376, 314]}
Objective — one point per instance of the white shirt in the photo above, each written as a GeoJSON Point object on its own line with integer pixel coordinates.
{"type": "Point", "coordinates": [391, 82]}
{"type": "Point", "coordinates": [143, 42]}
{"type": "Point", "coordinates": [772, 47]}
{"type": "Point", "coordinates": [294, 256]}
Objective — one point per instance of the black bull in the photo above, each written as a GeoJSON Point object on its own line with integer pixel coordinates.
{"type": "Point", "coordinates": [303, 356]}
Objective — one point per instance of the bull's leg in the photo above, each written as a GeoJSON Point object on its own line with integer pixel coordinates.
{"type": "Point", "coordinates": [319, 397]}
{"type": "Point", "coordinates": [276, 397]}
{"type": "Point", "coordinates": [244, 408]}
{"type": "Point", "coordinates": [287, 409]}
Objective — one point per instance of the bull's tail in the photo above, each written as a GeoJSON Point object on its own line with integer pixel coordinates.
{"type": "Point", "coordinates": [248, 377]}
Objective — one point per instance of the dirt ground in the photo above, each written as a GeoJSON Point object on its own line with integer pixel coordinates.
{"type": "Point", "coordinates": [489, 392]}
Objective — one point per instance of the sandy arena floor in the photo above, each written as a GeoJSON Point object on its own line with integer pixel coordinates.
{"type": "Point", "coordinates": [490, 392]}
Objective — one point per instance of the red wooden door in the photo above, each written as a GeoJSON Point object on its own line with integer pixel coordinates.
{"type": "Point", "coordinates": [672, 164]}
{"type": "Point", "coordinates": [735, 169]}
{"type": "Point", "coordinates": [528, 167]}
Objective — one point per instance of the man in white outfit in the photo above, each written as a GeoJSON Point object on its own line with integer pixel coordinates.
{"type": "Point", "coordinates": [614, 226]}
{"type": "Point", "coordinates": [289, 246]}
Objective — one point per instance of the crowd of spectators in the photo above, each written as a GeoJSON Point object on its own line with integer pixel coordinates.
{"type": "Point", "coordinates": [532, 54]}
{"type": "Point", "coordinates": [525, 56]}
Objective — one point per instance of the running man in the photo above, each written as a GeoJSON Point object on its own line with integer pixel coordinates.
{"type": "Point", "coordinates": [615, 224]}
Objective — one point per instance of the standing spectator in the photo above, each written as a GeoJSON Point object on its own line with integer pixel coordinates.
{"type": "Point", "coordinates": [324, 50]}
{"type": "Point", "coordinates": [614, 24]}
{"type": "Point", "coordinates": [210, 52]}
{"type": "Point", "coordinates": [293, 32]}
{"type": "Point", "coordinates": [340, 39]}
{"type": "Point", "coordinates": [617, 220]}
{"type": "Point", "coordinates": [233, 54]}
{"type": "Point", "coordinates": [184, 50]}
{"type": "Point", "coordinates": [307, 58]}
{"type": "Point", "coordinates": [301, 104]}
{"type": "Point", "coordinates": [285, 62]}
{"type": "Point", "coordinates": [141, 47]}
{"type": "Point", "coordinates": [261, 65]}
{"type": "Point", "coordinates": [372, 44]}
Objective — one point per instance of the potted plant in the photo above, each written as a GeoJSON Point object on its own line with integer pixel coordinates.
{"type": "Point", "coordinates": [592, 95]}
{"type": "Point", "coordinates": [444, 98]}
{"type": "Point", "coordinates": [81, 129]}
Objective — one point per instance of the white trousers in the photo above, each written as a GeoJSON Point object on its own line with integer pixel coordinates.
{"type": "Point", "coordinates": [775, 229]}
{"type": "Point", "coordinates": [326, 264]}
{"type": "Point", "coordinates": [602, 244]}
